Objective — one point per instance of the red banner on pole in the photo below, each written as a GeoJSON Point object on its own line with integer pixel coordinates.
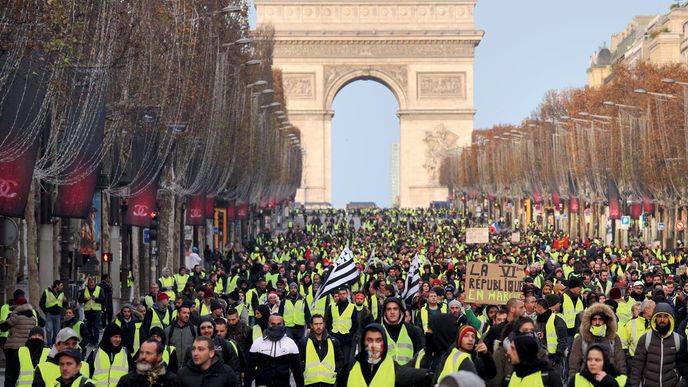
{"type": "Point", "coordinates": [195, 210]}
{"type": "Point", "coordinates": [210, 207]}
{"type": "Point", "coordinates": [231, 211]}
{"type": "Point", "coordinates": [141, 205]}
{"type": "Point", "coordinates": [242, 211]}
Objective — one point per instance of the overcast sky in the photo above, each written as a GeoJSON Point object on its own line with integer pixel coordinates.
{"type": "Point", "coordinates": [530, 47]}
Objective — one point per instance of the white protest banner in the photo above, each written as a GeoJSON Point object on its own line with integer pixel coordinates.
{"type": "Point", "coordinates": [477, 235]}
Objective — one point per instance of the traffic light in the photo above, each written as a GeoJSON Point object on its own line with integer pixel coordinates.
{"type": "Point", "coordinates": [153, 229]}
{"type": "Point", "coordinates": [220, 222]}
{"type": "Point", "coordinates": [107, 256]}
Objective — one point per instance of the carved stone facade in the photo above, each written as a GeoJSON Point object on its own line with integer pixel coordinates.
{"type": "Point", "coordinates": [422, 52]}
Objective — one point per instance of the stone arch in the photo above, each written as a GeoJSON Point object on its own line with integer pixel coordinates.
{"type": "Point", "coordinates": [368, 74]}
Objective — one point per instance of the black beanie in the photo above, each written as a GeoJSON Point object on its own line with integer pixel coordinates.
{"type": "Point", "coordinates": [526, 346]}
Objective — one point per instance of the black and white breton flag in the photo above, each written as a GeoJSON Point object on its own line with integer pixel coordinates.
{"type": "Point", "coordinates": [412, 282]}
{"type": "Point", "coordinates": [343, 272]}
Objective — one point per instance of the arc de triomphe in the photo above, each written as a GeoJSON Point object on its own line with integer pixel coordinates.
{"type": "Point", "coordinates": [422, 51]}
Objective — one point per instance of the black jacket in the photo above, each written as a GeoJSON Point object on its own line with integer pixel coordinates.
{"type": "Point", "coordinates": [134, 379]}
{"type": "Point", "coordinates": [321, 348]}
{"type": "Point", "coordinates": [218, 375]}
{"type": "Point", "coordinates": [129, 331]}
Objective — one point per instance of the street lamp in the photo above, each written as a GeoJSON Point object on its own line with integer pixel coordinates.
{"type": "Point", "coordinates": [253, 62]}
{"type": "Point", "coordinates": [655, 94]}
{"type": "Point", "coordinates": [586, 114]}
{"type": "Point", "coordinates": [230, 9]}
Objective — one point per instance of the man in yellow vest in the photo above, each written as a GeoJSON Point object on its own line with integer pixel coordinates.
{"type": "Point", "coordinates": [110, 361]}
{"type": "Point", "coordinates": [468, 355]}
{"type": "Point", "coordinates": [51, 303]}
{"type": "Point", "coordinates": [432, 308]}
{"type": "Point", "coordinates": [93, 299]}
{"type": "Point", "coordinates": [181, 279]}
{"type": "Point", "coordinates": [160, 315]}
{"type": "Point", "coordinates": [71, 365]}
{"type": "Point", "coordinates": [131, 328]}
{"type": "Point", "coordinates": [373, 366]}
{"type": "Point", "coordinates": [295, 312]}
{"type": "Point", "coordinates": [341, 320]}
{"type": "Point", "coordinates": [48, 370]}
{"type": "Point", "coordinates": [166, 283]}
{"type": "Point", "coordinates": [571, 306]}
{"type": "Point", "coordinates": [404, 339]}
{"type": "Point", "coordinates": [320, 354]}
{"type": "Point", "coordinates": [30, 355]}
{"type": "Point", "coordinates": [552, 327]}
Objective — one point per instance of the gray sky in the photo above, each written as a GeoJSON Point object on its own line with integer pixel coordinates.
{"type": "Point", "coordinates": [530, 47]}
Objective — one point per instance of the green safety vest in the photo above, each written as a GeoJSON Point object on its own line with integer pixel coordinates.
{"type": "Point", "coordinates": [401, 350]}
{"type": "Point", "coordinates": [532, 380]}
{"type": "Point", "coordinates": [106, 373]}
{"type": "Point", "coordinates": [26, 367]}
{"type": "Point", "coordinates": [77, 328]}
{"type": "Point", "coordinates": [317, 371]}
{"type": "Point", "coordinates": [632, 332]}
{"type": "Point", "coordinates": [342, 324]}
{"type": "Point", "coordinates": [453, 362]}
{"type": "Point", "coordinates": [570, 312]}
{"type": "Point", "coordinates": [294, 313]}
{"type": "Point", "coordinates": [551, 334]}
{"type": "Point", "coordinates": [583, 382]}
{"type": "Point", "coordinates": [384, 377]}
{"type": "Point", "coordinates": [419, 358]}
{"type": "Point", "coordinates": [92, 305]}
{"type": "Point", "coordinates": [205, 310]}
{"type": "Point", "coordinates": [51, 300]}
{"type": "Point", "coordinates": [4, 315]}
{"type": "Point", "coordinates": [51, 371]}
{"type": "Point", "coordinates": [181, 281]}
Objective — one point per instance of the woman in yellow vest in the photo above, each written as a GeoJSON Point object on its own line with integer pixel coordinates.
{"type": "Point", "coordinates": [598, 370]}
{"type": "Point", "coordinates": [111, 361]}
{"type": "Point", "coordinates": [529, 369]}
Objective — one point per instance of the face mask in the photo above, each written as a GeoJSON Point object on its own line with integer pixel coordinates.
{"type": "Point", "coordinates": [600, 331]}
{"type": "Point", "coordinates": [374, 351]}
{"type": "Point", "coordinates": [276, 333]}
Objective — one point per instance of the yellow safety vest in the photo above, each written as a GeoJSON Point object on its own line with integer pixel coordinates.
{"type": "Point", "coordinates": [419, 358]}
{"type": "Point", "coordinates": [632, 332]}
{"type": "Point", "coordinates": [532, 380]}
{"type": "Point", "coordinates": [157, 322]}
{"type": "Point", "coordinates": [4, 315]}
{"type": "Point", "coordinates": [583, 382]}
{"type": "Point", "coordinates": [551, 334]}
{"type": "Point", "coordinates": [181, 281]}
{"type": "Point", "coordinates": [424, 315]}
{"type": "Point", "coordinates": [51, 371]}
{"type": "Point", "coordinates": [167, 353]}
{"type": "Point", "coordinates": [317, 371]}
{"type": "Point", "coordinates": [453, 362]}
{"type": "Point", "coordinates": [205, 310]}
{"type": "Point", "coordinates": [374, 306]}
{"type": "Point", "coordinates": [320, 305]}
{"type": "Point", "coordinates": [51, 300]}
{"type": "Point", "coordinates": [294, 313]}
{"type": "Point", "coordinates": [384, 377]}
{"type": "Point", "coordinates": [92, 305]}
{"type": "Point", "coordinates": [168, 283]}
{"type": "Point", "coordinates": [401, 350]}
{"type": "Point", "coordinates": [257, 332]}
{"type": "Point", "coordinates": [26, 366]}
{"type": "Point", "coordinates": [342, 324]}
{"type": "Point", "coordinates": [106, 373]}
{"type": "Point", "coordinates": [570, 312]}
{"type": "Point", "coordinates": [137, 333]}
{"type": "Point", "coordinates": [624, 312]}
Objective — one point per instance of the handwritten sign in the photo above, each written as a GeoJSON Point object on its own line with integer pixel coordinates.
{"type": "Point", "coordinates": [515, 237]}
{"type": "Point", "coordinates": [477, 235]}
{"type": "Point", "coordinates": [493, 283]}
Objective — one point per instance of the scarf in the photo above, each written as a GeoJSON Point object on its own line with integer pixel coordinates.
{"type": "Point", "coordinates": [151, 373]}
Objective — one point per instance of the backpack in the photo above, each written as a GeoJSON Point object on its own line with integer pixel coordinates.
{"type": "Point", "coordinates": [677, 340]}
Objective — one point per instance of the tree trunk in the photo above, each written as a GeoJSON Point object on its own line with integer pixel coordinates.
{"type": "Point", "coordinates": [135, 262]}
{"type": "Point", "coordinates": [166, 231]}
{"type": "Point", "coordinates": [32, 245]}
{"type": "Point", "coordinates": [178, 238]}
{"type": "Point", "coordinates": [56, 248]}
{"type": "Point", "coordinates": [11, 254]}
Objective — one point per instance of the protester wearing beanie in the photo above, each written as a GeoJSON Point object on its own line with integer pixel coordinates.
{"type": "Point", "coordinates": [110, 361]}
{"type": "Point", "coordinates": [468, 355]}
{"type": "Point", "coordinates": [529, 369]}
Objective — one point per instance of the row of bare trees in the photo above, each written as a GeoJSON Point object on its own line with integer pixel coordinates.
{"type": "Point", "coordinates": [191, 104]}
{"type": "Point", "coordinates": [631, 133]}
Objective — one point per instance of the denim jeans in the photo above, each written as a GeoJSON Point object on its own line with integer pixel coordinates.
{"type": "Point", "coordinates": [52, 326]}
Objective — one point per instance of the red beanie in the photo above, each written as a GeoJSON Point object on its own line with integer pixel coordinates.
{"type": "Point", "coordinates": [21, 300]}
{"type": "Point", "coordinates": [463, 330]}
{"type": "Point", "coordinates": [163, 296]}
{"type": "Point", "coordinates": [208, 293]}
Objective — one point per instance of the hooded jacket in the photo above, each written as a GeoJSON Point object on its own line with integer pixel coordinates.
{"type": "Point", "coordinates": [110, 350]}
{"type": "Point", "coordinates": [393, 329]}
{"type": "Point", "coordinates": [661, 364]}
{"type": "Point", "coordinates": [404, 375]}
{"type": "Point", "coordinates": [20, 323]}
{"type": "Point", "coordinates": [217, 375]}
{"type": "Point", "coordinates": [128, 330]}
{"type": "Point", "coordinates": [439, 342]}
{"type": "Point", "coordinates": [269, 362]}
{"type": "Point", "coordinates": [586, 339]}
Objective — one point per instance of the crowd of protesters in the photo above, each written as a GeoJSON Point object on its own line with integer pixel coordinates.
{"type": "Point", "coordinates": [588, 315]}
